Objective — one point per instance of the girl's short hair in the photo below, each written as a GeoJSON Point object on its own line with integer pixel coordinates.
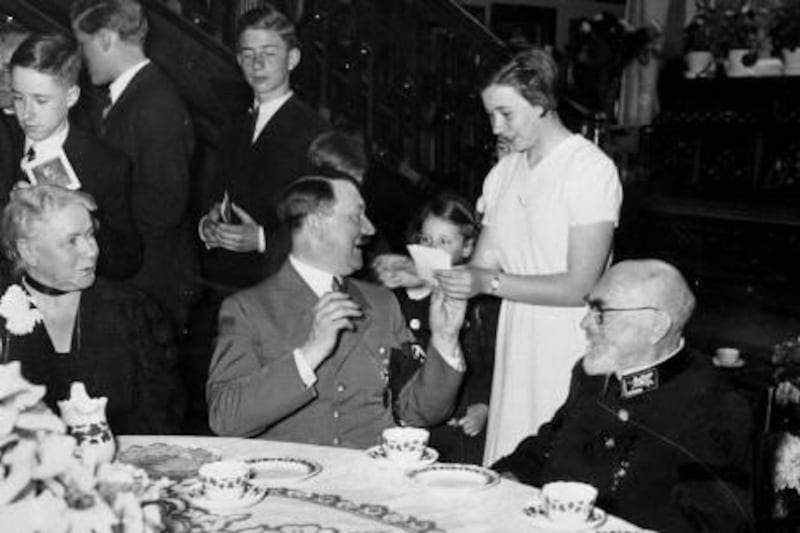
{"type": "Point", "coordinates": [448, 206]}
{"type": "Point", "coordinates": [534, 74]}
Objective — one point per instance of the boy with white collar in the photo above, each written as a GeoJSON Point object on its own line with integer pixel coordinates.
{"type": "Point", "coordinates": [44, 83]}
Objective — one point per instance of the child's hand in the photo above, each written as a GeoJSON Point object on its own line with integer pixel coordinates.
{"type": "Point", "coordinates": [474, 421]}
{"type": "Point", "coordinates": [396, 271]}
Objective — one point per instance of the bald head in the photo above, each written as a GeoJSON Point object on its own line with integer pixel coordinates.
{"type": "Point", "coordinates": [637, 313]}
{"type": "Point", "coordinates": [656, 283]}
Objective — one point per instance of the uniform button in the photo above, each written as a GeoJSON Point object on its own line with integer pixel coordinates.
{"type": "Point", "coordinates": [623, 415]}
{"type": "Point", "coordinates": [340, 387]}
{"type": "Point", "coordinates": [336, 414]}
{"type": "Point", "coordinates": [414, 324]}
{"type": "Point", "coordinates": [336, 441]}
{"type": "Point", "coordinates": [382, 350]}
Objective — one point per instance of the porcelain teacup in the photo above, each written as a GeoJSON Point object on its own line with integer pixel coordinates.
{"type": "Point", "coordinates": [728, 356]}
{"type": "Point", "coordinates": [568, 503]}
{"type": "Point", "coordinates": [224, 480]}
{"type": "Point", "coordinates": [405, 444]}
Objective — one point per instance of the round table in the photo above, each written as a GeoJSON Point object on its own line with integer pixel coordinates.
{"type": "Point", "coordinates": [357, 493]}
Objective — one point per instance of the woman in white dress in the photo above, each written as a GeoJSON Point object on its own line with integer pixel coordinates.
{"type": "Point", "coordinates": [549, 207]}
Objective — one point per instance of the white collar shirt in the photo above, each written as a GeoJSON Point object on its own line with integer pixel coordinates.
{"type": "Point", "coordinates": [116, 87]}
{"type": "Point", "coordinates": [319, 280]}
{"type": "Point", "coordinates": [47, 147]}
{"type": "Point", "coordinates": [266, 111]}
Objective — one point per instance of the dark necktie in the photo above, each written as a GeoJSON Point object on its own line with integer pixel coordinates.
{"type": "Point", "coordinates": [105, 102]}
{"type": "Point", "coordinates": [337, 284]}
{"type": "Point", "coordinates": [252, 117]}
{"type": "Point", "coordinates": [30, 154]}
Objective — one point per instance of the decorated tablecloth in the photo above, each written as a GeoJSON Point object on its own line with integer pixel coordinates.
{"type": "Point", "coordinates": [353, 493]}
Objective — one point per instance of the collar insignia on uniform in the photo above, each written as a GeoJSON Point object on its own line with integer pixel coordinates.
{"type": "Point", "coordinates": [639, 382]}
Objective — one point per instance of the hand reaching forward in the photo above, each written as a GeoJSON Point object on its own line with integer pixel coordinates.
{"type": "Point", "coordinates": [334, 312]}
{"type": "Point", "coordinates": [463, 282]}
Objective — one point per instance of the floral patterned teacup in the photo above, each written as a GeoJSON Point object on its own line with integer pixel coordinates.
{"type": "Point", "coordinates": [224, 480]}
{"type": "Point", "coordinates": [569, 503]}
{"type": "Point", "coordinates": [405, 444]}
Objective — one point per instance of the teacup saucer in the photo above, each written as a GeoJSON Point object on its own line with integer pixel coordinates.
{"type": "Point", "coordinates": [196, 496]}
{"type": "Point", "coordinates": [596, 518]}
{"type": "Point", "coordinates": [377, 453]}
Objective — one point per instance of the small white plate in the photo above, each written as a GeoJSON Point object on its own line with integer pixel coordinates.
{"type": "Point", "coordinates": [737, 363]}
{"type": "Point", "coordinates": [596, 518]}
{"type": "Point", "coordinates": [429, 456]}
{"type": "Point", "coordinates": [455, 476]}
{"type": "Point", "coordinates": [196, 496]}
{"type": "Point", "coordinates": [279, 470]}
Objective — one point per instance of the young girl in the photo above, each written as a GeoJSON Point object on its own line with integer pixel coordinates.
{"type": "Point", "coordinates": [449, 223]}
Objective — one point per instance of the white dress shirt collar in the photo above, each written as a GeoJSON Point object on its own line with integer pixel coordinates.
{"type": "Point", "coordinates": [116, 87]}
{"type": "Point", "coordinates": [319, 280]}
{"type": "Point", "coordinates": [266, 111]}
{"type": "Point", "coordinates": [49, 146]}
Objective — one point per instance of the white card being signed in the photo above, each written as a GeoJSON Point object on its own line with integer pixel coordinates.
{"type": "Point", "coordinates": [427, 260]}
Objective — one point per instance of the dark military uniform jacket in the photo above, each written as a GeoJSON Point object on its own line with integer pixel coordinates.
{"type": "Point", "coordinates": [668, 447]}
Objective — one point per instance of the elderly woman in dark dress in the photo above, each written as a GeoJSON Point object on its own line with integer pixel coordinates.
{"type": "Point", "coordinates": [107, 335]}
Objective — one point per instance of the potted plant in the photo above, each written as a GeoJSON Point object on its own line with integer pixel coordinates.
{"type": "Point", "coordinates": [700, 40]}
{"type": "Point", "coordinates": [785, 34]}
{"type": "Point", "coordinates": [738, 36]}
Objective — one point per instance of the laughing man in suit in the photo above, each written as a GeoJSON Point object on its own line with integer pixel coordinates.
{"type": "Point", "coordinates": [44, 82]}
{"type": "Point", "coordinates": [299, 360]}
{"type": "Point", "coordinates": [148, 121]}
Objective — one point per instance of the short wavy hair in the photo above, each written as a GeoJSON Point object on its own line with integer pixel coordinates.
{"type": "Point", "coordinates": [29, 206]}
{"type": "Point", "coordinates": [54, 54]}
{"type": "Point", "coordinates": [267, 17]}
{"type": "Point", "coordinates": [125, 17]}
{"type": "Point", "coordinates": [534, 74]}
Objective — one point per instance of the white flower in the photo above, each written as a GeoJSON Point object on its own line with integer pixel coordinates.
{"type": "Point", "coordinates": [19, 311]}
{"type": "Point", "coordinates": [787, 463]}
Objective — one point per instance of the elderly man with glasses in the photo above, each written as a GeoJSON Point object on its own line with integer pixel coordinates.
{"type": "Point", "coordinates": [654, 427]}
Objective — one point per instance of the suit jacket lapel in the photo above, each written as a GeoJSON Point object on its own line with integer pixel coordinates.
{"type": "Point", "coordinates": [298, 300]}
{"type": "Point", "coordinates": [277, 126]}
{"type": "Point", "coordinates": [349, 340]}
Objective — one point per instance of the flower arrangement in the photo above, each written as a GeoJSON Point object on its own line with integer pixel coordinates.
{"type": "Point", "coordinates": [720, 26]}
{"type": "Point", "coordinates": [609, 39]}
{"type": "Point", "coordinates": [787, 463]}
{"type": "Point", "coordinates": [44, 485]}
{"type": "Point", "coordinates": [701, 34]}
{"type": "Point", "coordinates": [597, 51]}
